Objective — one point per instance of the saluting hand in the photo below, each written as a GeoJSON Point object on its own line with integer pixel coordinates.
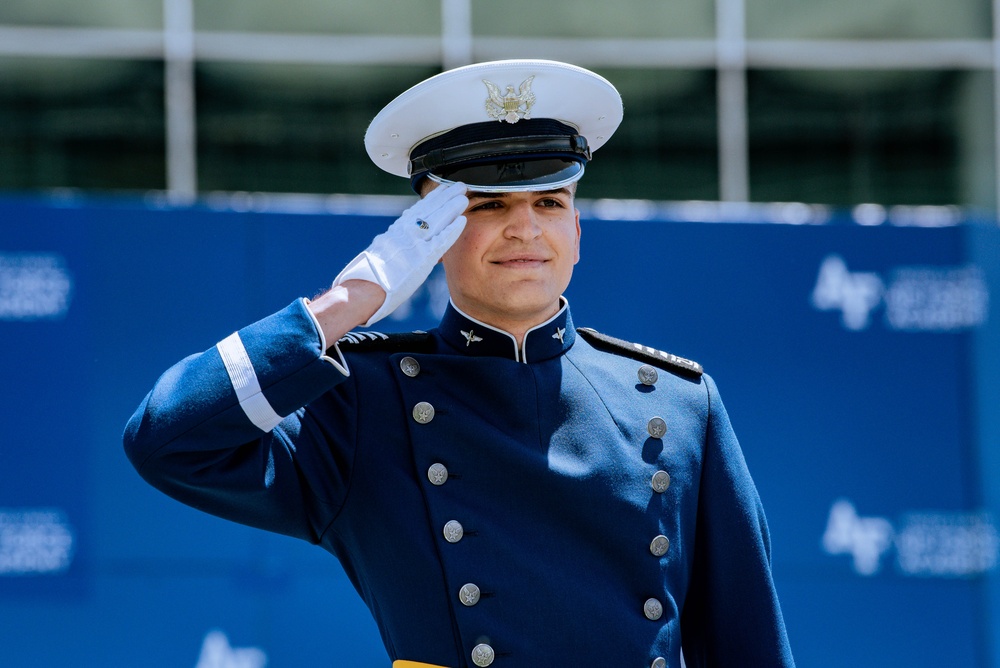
{"type": "Point", "coordinates": [400, 259]}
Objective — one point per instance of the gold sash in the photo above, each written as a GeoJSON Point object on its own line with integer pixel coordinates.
{"type": "Point", "coordinates": [413, 664]}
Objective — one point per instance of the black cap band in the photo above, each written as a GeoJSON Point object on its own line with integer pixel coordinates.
{"type": "Point", "coordinates": [573, 146]}
{"type": "Point", "coordinates": [500, 155]}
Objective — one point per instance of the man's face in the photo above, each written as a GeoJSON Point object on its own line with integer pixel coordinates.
{"type": "Point", "coordinates": [515, 256]}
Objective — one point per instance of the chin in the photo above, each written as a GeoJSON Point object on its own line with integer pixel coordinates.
{"type": "Point", "coordinates": [537, 307]}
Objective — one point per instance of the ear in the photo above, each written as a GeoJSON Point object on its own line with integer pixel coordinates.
{"type": "Point", "coordinates": [578, 233]}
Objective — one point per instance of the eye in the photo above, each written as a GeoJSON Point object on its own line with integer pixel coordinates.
{"type": "Point", "coordinates": [550, 202]}
{"type": "Point", "coordinates": [490, 204]}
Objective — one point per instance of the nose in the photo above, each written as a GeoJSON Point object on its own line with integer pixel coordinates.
{"type": "Point", "coordinates": [522, 223]}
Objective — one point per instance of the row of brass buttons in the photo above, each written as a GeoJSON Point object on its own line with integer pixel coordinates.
{"type": "Point", "coordinates": [423, 413]}
{"type": "Point", "coordinates": [657, 428]}
{"type": "Point", "coordinates": [469, 595]}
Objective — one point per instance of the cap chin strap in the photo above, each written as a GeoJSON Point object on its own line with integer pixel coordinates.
{"type": "Point", "coordinates": [507, 188]}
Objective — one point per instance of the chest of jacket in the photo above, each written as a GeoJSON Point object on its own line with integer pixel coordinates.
{"type": "Point", "coordinates": [520, 478]}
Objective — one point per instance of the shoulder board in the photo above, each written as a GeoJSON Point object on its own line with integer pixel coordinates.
{"type": "Point", "coordinates": [395, 342]}
{"type": "Point", "coordinates": [640, 352]}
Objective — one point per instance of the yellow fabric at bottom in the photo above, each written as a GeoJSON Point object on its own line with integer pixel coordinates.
{"type": "Point", "coordinates": [414, 664]}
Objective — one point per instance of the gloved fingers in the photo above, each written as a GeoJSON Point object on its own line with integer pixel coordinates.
{"type": "Point", "coordinates": [441, 194]}
{"type": "Point", "coordinates": [402, 257]}
{"type": "Point", "coordinates": [424, 251]}
{"type": "Point", "coordinates": [434, 212]}
{"type": "Point", "coordinates": [448, 236]}
{"type": "Point", "coordinates": [445, 216]}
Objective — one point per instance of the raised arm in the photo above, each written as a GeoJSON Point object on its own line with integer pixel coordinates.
{"type": "Point", "coordinates": [226, 430]}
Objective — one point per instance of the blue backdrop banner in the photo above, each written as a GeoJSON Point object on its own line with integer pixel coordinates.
{"type": "Point", "coordinates": [859, 364]}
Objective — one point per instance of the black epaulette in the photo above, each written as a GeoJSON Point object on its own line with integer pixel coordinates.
{"type": "Point", "coordinates": [641, 353]}
{"type": "Point", "coordinates": [414, 342]}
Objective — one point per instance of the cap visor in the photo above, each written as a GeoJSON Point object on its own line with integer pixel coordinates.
{"type": "Point", "coordinates": [518, 176]}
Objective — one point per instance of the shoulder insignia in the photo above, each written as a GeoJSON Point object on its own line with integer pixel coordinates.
{"type": "Point", "coordinates": [640, 352]}
{"type": "Point", "coordinates": [394, 342]}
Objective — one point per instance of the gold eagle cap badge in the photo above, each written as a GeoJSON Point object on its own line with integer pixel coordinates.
{"type": "Point", "coordinates": [510, 106]}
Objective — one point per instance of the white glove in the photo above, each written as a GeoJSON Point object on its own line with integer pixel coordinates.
{"type": "Point", "coordinates": [401, 258]}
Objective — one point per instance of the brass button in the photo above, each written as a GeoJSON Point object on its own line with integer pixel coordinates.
{"type": "Point", "coordinates": [657, 427]}
{"type": "Point", "coordinates": [423, 412]}
{"type": "Point", "coordinates": [437, 474]}
{"type": "Point", "coordinates": [469, 594]}
{"type": "Point", "coordinates": [653, 609]}
{"type": "Point", "coordinates": [482, 655]}
{"type": "Point", "coordinates": [660, 482]}
{"type": "Point", "coordinates": [409, 366]}
{"type": "Point", "coordinates": [453, 531]}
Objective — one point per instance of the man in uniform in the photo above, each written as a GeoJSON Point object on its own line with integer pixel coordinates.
{"type": "Point", "coordinates": [505, 490]}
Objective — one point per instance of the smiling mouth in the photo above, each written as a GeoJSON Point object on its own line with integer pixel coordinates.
{"type": "Point", "coordinates": [520, 263]}
{"type": "Point", "coordinates": [521, 260]}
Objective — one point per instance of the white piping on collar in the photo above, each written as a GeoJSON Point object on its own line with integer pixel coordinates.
{"type": "Point", "coordinates": [565, 305]}
{"type": "Point", "coordinates": [519, 354]}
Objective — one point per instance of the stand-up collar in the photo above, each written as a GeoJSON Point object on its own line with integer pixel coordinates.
{"type": "Point", "coordinates": [472, 337]}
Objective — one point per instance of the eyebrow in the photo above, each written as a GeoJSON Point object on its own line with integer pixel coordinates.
{"type": "Point", "coordinates": [475, 194]}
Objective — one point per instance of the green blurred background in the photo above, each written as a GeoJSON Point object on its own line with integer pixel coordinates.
{"type": "Point", "coordinates": [840, 103]}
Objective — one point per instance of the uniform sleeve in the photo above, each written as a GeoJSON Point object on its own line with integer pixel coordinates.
{"type": "Point", "coordinates": [731, 615]}
{"type": "Point", "coordinates": [225, 431]}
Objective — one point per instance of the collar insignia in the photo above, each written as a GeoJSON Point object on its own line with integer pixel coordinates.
{"type": "Point", "coordinates": [510, 106]}
{"type": "Point", "coordinates": [559, 334]}
{"type": "Point", "coordinates": [470, 337]}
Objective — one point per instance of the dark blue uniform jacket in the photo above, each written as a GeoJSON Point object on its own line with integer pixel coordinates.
{"type": "Point", "coordinates": [480, 495]}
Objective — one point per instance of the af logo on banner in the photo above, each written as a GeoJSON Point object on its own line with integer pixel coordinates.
{"type": "Point", "coordinates": [216, 652]}
{"type": "Point", "coordinates": [916, 299]}
{"type": "Point", "coordinates": [927, 544]}
{"type": "Point", "coordinates": [35, 541]}
{"type": "Point", "coordinates": [34, 286]}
